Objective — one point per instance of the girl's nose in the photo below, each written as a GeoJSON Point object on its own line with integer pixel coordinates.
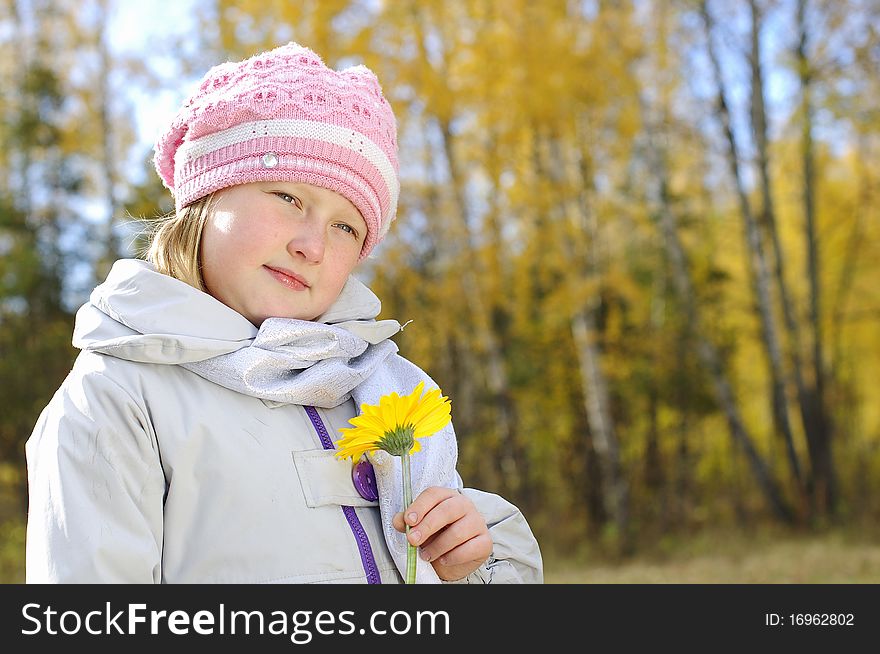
{"type": "Point", "coordinates": [309, 241]}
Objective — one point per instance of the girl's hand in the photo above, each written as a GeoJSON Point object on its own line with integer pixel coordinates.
{"type": "Point", "coordinates": [448, 530]}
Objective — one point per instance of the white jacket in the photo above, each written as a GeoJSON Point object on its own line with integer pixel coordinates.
{"type": "Point", "coordinates": [141, 471]}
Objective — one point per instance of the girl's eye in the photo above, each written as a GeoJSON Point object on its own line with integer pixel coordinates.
{"type": "Point", "coordinates": [291, 199]}
{"type": "Point", "coordinates": [347, 228]}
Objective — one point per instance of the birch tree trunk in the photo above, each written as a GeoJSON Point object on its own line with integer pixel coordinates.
{"type": "Point", "coordinates": [706, 351]}
{"type": "Point", "coordinates": [512, 460]}
{"type": "Point", "coordinates": [583, 258]}
{"type": "Point", "coordinates": [768, 220]}
{"type": "Point", "coordinates": [493, 365]}
{"type": "Point", "coordinates": [754, 241]}
{"type": "Point", "coordinates": [818, 424]}
{"type": "Point", "coordinates": [110, 248]}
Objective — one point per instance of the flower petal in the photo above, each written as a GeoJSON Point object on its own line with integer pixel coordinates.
{"type": "Point", "coordinates": [432, 417]}
{"type": "Point", "coordinates": [425, 413]}
{"type": "Point", "coordinates": [354, 452]}
{"type": "Point", "coordinates": [412, 402]}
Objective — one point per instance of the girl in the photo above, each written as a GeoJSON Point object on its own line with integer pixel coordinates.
{"type": "Point", "coordinates": [193, 439]}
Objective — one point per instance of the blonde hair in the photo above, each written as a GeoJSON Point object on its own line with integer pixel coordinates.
{"type": "Point", "coordinates": [176, 240]}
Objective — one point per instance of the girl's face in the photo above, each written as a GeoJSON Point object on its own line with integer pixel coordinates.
{"type": "Point", "coordinates": [280, 249]}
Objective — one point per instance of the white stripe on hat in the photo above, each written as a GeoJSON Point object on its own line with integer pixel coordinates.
{"type": "Point", "coordinates": [290, 127]}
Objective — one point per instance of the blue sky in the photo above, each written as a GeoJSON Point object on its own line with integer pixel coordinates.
{"type": "Point", "coordinates": [135, 28]}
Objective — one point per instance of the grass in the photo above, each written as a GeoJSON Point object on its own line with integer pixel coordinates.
{"type": "Point", "coordinates": [840, 556]}
{"type": "Point", "coordinates": [832, 557]}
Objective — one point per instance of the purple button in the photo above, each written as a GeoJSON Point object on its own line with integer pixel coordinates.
{"type": "Point", "coordinates": [365, 480]}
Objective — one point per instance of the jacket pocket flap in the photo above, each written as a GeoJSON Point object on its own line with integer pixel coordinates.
{"type": "Point", "coordinates": [326, 479]}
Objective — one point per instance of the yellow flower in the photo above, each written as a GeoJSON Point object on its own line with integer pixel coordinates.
{"type": "Point", "coordinates": [396, 424]}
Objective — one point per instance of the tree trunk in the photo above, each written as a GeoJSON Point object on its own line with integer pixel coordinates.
{"type": "Point", "coordinates": [754, 244]}
{"type": "Point", "coordinates": [491, 358]}
{"type": "Point", "coordinates": [818, 424]}
{"type": "Point", "coordinates": [706, 351]}
{"type": "Point", "coordinates": [110, 249]}
{"type": "Point", "coordinates": [854, 242]}
{"type": "Point", "coordinates": [512, 459]}
{"type": "Point", "coordinates": [582, 254]}
{"type": "Point", "coordinates": [709, 356]}
{"type": "Point", "coordinates": [681, 497]}
{"type": "Point", "coordinates": [768, 220]}
{"type": "Point", "coordinates": [460, 369]}
{"type": "Point", "coordinates": [596, 402]}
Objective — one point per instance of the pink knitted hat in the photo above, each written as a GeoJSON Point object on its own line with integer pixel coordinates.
{"type": "Point", "coordinates": [283, 115]}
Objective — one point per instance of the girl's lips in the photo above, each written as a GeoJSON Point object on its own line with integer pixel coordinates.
{"type": "Point", "coordinates": [291, 280]}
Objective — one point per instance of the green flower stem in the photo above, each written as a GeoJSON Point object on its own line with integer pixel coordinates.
{"type": "Point", "coordinates": [407, 500]}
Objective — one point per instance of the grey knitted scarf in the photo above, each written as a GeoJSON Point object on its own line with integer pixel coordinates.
{"type": "Point", "coordinates": [300, 362]}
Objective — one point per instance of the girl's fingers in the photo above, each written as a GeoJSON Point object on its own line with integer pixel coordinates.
{"type": "Point", "coordinates": [452, 536]}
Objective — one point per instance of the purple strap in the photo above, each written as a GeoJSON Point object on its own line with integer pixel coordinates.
{"type": "Point", "coordinates": [360, 535]}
